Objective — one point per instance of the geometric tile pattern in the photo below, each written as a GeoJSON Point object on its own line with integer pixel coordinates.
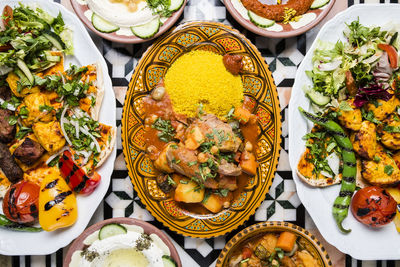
{"type": "Point", "coordinates": [281, 203]}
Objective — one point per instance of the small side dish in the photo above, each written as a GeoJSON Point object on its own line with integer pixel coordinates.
{"type": "Point", "coordinates": [202, 141]}
{"type": "Point", "coordinates": [279, 16]}
{"type": "Point", "coordinates": [273, 249]}
{"type": "Point", "coordinates": [273, 244]}
{"type": "Point", "coordinates": [140, 18]}
{"type": "Point", "coordinates": [51, 142]}
{"type": "Point", "coordinates": [354, 142]}
{"type": "Point", "coordinates": [123, 245]}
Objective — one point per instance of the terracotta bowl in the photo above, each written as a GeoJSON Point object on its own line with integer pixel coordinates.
{"type": "Point", "coordinates": [148, 229]}
{"type": "Point", "coordinates": [80, 10]}
{"type": "Point", "coordinates": [288, 31]}
{"type": "Point", "coordinates": [308, 240]}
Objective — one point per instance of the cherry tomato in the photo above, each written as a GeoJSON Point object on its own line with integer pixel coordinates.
{"type": "Point", "coordinates": [21, 201]}
{"type": "Point", "coordinates": [7, 14]}
{"type": "Point", "coordinates": [392, 54]}
{"type": "Point", "coordinates": [373, 206]}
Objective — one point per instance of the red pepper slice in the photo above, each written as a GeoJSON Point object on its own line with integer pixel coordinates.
{"type": "Point", "coordinates": [392, 54]}
{"type": "Point", "coordinates": [76, 177]}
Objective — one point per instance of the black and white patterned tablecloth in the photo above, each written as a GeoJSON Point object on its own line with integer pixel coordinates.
{"type": "Point", "coordinates": [281, 203]}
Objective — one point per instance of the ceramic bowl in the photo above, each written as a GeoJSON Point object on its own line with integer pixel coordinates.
{"type": "Point", "coordinates": [80, 10]}
{"type": "Point", "coordinates": [147, 227]}
{"type": "Point", "coordinates": [287, 31]}
{"type": "Point", "coordinates": [258, 85]}
{"type": "Point", "coordinates": [307, 239]}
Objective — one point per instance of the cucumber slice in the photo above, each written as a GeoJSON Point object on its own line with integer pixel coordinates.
{"type": "Point", "coordinates": [147, 30]}
{"type": "Point", "coordinates": [22, 78]}
{"type": "Point", "coordinates": [111, 230]}
{"type": "Point", "coordinates": [318, 98]}
{"type": "Point", "coordinates": [52, 58]}
{"type": "Point", "coordinates": [55, 40]}
{"type": "Point", "coordinates": [319, 3]}
{"type": "Point", "coordinates": [260, 21]}
{"type": "Point", "coordinates": [103, 25]}
{"type": "Point", "coordinates": [168, 261]}
{"type": "Point", "coordinates": [24, 68]}
{"type": "Point", "coordinates": [175, 5]}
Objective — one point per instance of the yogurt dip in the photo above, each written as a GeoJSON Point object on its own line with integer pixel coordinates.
{"type": "Point", "coordinates": [132, 249]}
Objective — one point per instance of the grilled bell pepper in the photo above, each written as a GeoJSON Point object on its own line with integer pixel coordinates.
{"type": "Point", "coordinates": [57, 203]}
{"type": "Point", "coordinates": [76, 177]}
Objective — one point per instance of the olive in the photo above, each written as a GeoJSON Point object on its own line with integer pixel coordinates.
{"type": "Point", "coordinates": [158, 93]}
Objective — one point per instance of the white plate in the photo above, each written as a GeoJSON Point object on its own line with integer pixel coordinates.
{"type": "Point", "coordinates": [85, 53]}
{"type": "Point", "coordinates": [363, 242]}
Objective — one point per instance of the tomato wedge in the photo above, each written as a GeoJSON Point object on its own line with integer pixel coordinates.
{"type": "Point", "coordinates": [392, 54]}
{"type": "Point", "coordinates": [7, 14]}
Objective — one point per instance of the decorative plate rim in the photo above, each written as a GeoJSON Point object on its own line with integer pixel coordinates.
{"type": "Point", "coordinates": [263, 226]}
{"type": "Point", "coordinates": [122, 38]}
{"type": "Point", "coordinates": [275, 96]}
{"type": "Point", "coordinates": [283, 34]}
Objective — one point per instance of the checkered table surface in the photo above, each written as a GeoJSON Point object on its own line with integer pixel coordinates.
{"type": "Point", "coordinates": [281, 203]}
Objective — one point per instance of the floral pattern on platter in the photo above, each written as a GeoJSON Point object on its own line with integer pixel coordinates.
{"type": "Point", "coordinates": [259, 86]}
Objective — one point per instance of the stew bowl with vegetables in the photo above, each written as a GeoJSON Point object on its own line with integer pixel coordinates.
{"type": "Point", "coordinates": [201, 146]}
{"type": "Point", "coordinates": [273, 244]}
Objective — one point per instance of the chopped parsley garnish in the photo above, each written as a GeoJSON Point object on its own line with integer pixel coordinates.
{"type": "Point", "coordinates": [170, 180]}
{"type": "Point", "coordinates": [45, 108]}
{"type": "Point", "coordinates": [166, 131]}
{"type": "Point", "coordinates": [191, 163]}
{"type": "Point", "coordinates": [23, 112]}
{"type": "Point", "coordinates": [377, 159]}
{"type": "Point", "coordinates": [388, 169]}
{"type": "Point", "coordinates": [23, 131]}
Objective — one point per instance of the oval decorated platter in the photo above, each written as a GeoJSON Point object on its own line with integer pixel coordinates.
{"type": "Point", "coordinates": [258, 85]}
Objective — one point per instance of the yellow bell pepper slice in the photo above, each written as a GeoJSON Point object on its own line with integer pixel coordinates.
{"type": "Point", "coordinates": [57, 203]}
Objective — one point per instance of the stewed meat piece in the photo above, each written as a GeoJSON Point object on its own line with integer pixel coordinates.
{"type": "Point", "coordinates": [8, 165]}
{"type": "Point", "coordinates": [7, 131]}
{"type": "Point", "coordinates": [29, 151]}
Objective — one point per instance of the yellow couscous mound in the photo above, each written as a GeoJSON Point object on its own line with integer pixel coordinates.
{"type": "Point", "coordinates": [201, 77]}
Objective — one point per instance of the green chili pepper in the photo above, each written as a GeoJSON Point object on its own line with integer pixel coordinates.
{"type": "Point", "coordinates": [6, 223]}
{"type": "Point", "coordinates": [348, 185]}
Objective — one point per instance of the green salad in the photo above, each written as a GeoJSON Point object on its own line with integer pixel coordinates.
{"type": "Point", "coordinates": [32, 41]}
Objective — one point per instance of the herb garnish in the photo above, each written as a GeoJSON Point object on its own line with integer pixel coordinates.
{"type": "Point", "coordinates": [167, 132]}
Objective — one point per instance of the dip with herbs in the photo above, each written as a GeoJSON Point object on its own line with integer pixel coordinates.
{"type": "Point", "coordinates": [122, 245]}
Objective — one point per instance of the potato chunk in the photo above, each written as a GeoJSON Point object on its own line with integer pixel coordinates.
{"type": "Point", "coordinates": [161, 163]}
{"type": "Point", "coordinates": [49, 135]}
{"type": "Point", "coordinates": [189, 192]}
{"type": "Point", "coordinates": [213, 203]}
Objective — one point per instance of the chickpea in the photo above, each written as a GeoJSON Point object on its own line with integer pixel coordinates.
{"type": "Point", "coordinates": [202, 157]}
{"type": "Point", "coordinates": [158, 93]}
{"type": "Point", "coordinates": [214, 150]}
{"type": "Point", "coordinates": [206, 170]}
{"type": "Point", "coordinates": [151, 149]}
{"type": "Point", "coordinates": [149, 120]}
{"type": "Point", "coordinates": [248, 146]}
{"type": "Point", "coordinates": [226, 204]}
{"type": "Point", "coordinates": [179, 127]}
{"type": "Point", "coordinates": [253, 119]}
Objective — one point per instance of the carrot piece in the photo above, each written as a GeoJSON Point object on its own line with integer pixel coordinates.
{"type": "Point", "coordinates": [248, 163]}
{"type": "Point", "coordinates": [286, 241]}
{"type": "Point", "coordinates": [242, 114]}
{"type": "Point", "coordinates": [246, 253]}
